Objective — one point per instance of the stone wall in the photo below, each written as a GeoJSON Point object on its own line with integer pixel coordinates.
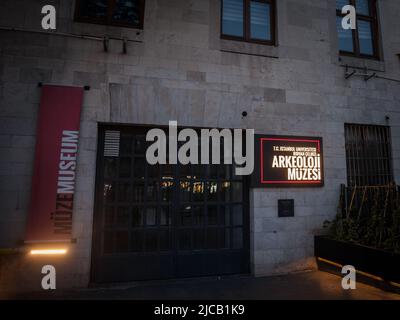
{"type": "Point", "coordinates": [179, 69]}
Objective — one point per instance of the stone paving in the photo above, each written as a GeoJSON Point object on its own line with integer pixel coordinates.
{"type": "Point", "coordinates": [315, 285]}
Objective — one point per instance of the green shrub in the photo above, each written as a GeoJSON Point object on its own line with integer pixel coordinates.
{"type": "Point", "coordinates": [368, 216]}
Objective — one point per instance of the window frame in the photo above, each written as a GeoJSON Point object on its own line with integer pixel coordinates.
{"type": "Point", "coordinates": [246, 23]}
{"type": "Point", "coordinates": [373, 19]}
{"type": "Point", "coordinates": [107, 21]}
{"type": "Point", "coordinates": [362, 167]}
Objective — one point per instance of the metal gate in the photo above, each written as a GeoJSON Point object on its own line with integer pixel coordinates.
{"type": "Point", "coordinates": [164, 221]}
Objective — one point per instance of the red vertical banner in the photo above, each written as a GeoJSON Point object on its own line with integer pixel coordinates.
{"type": "Point", "coordinates": [53, 182]}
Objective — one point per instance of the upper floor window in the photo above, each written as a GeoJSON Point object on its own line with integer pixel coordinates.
{"type": "Point", "coordinates": [248, 20]}
{"type": "Point", "coordinates": [363, 41]}
{"type": "Point", "coordinates": [124, 13]}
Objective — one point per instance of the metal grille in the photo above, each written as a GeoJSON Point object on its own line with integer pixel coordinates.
{"type": "Point", "coordinates": [165, 221]}
{"type": "Point", "coordinates": [111, 143]}
{"type": "Point", "coordinates": [368, 155]}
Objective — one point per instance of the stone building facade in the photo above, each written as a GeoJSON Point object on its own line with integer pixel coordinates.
{"type": "Point", "coordinates": [179, 68]}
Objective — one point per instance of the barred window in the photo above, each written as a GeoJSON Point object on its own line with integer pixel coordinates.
{"type": "Point", "coordinates": [368, 155]}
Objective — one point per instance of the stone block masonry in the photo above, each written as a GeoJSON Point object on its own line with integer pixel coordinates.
{"type": "Point", "coordinates": [181, 71]}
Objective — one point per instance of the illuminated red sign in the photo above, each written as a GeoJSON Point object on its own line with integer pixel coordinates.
{"type": "Point", "coordinates": [288, 162]}
{"type": "Point", "coordinates": [53, 183]}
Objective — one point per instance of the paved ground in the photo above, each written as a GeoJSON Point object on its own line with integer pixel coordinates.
{"type": "Point", "coordinates": [307, 285]}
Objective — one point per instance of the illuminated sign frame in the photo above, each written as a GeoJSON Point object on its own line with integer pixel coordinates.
{"type": "Point", "coordinates": [262, 176]}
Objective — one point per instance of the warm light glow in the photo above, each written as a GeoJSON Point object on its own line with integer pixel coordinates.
{"type": "Point", "coordinates": [359, 272]}
{"type": "Point", "coordinates": [49, 251]}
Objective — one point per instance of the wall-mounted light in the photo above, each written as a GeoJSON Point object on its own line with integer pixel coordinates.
{"type": "Point", "coordinates": [48, 251]}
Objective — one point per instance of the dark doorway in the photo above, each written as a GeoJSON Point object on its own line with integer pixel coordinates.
{"type": "Point", "coordinates": [164, 221]}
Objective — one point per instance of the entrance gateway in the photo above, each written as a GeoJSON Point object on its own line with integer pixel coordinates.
{"type": "Point", "coordinates": [165, 221]}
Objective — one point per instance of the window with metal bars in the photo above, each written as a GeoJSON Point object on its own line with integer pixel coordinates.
{"type": "Point", "coordinates": [368, 155]}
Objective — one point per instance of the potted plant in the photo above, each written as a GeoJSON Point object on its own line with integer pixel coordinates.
{"type": "Point", "coordinates": [365, 232]}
